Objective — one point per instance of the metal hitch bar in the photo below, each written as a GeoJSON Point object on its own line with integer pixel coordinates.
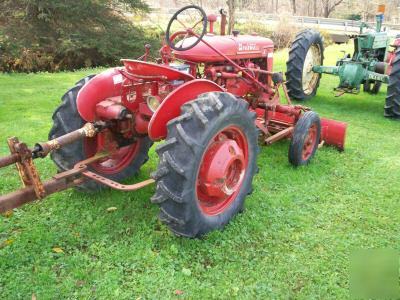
{"type": "Point", "coordinates": [34, 188]}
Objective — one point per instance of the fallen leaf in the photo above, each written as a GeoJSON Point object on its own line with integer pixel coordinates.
{"type": "Point", "coordinates": [80, 283]}
{"type": "Point", "coordinates": [178, 292]}
{"type": "Point", "coordinates": [58, 250]}
{"type": "Point", "coordinates": [7, 214]}
{"type": "Point", "coordinates": [111, 209]}
{"type": "Point", "coordinates": [186, 272]}
{"type": "Point", "coordinates": [6, 243]}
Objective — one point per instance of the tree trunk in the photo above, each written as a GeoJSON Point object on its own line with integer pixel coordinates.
{"type": "Point", "coordinates": [329, 7]}
{"type": "Point", "coordinates": [293, 6]}
{"type": "Point", "coordinates": [315, 8]}
{"type": "Point", "coordinates": [231, 11]}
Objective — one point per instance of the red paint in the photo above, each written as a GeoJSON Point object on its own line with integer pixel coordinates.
{"type": "Point", "coordinates": [115, 163]}
{"type": "Point", "coordinates": [110, 110]}
{"type": "Point", "coordinates": [171, 106]}
{"type": "Point", "coordinates": [333, 133]}
{"type": "Point", "coordinates": [240, 47]}
{"type": "Point", "coordinates": [105, 85]}
{"type": "Point", "coordinates": [222, 170]}
{"type": "Point", "coordinates": [153, 71]}
{"type": "Point", "coordinates": [309, 142]}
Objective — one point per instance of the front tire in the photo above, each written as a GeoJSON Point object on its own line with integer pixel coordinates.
{"type": "Point", "coordinates": [305, 139]}
{"type": "Point", "coordinates": [392, 104]}
{"type": "Point", "coordinates": [305, 52]}
{"type": "Point", "coordinates": [215, 135]}
{"type": "Point", "coordinates": [66, 119]}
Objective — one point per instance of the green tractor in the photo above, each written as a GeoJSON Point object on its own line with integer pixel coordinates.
{"type": "Point", "coordinates": [371, 64]}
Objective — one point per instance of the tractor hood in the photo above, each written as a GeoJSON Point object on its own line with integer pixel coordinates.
{"type": "Point", "coordinates": [235, 47]}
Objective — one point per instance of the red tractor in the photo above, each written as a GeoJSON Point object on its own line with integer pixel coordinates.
{"type": "Point", "coordinates": [209, 98]}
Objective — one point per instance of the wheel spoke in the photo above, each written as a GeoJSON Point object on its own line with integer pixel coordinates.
{"type": "Point", "coordinates": [182, 24]}
{"type": "Point", "coordinates": [197, 23]}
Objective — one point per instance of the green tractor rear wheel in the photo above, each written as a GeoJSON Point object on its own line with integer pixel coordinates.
{"type": "Point", "coordinates": [305, 52]}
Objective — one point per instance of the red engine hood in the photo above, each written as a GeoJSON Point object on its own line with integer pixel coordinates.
{"type": "Point", "coordinates": [242, 46]}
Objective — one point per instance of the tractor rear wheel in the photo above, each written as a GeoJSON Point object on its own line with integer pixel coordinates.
{"type": "Point", "coordinates": [305, 139]}
{"type": "Point", "coordinates": [207, 164]}
{"type": "Point", "coordinates": [392, 105]}
{"type": "Point", "coordinates": [123, 164]}
{"type": "Point", "coordinates": [305, 52]}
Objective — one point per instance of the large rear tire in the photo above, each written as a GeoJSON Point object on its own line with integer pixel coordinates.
{"type": "Point", "coordinates": [66, 119]}
{"type": "Point", "coordinates": [392, 105]}
{"type": "Point", "coordinates": [305, 52]}
{"type": "Point", "coordinates": [207, 164]}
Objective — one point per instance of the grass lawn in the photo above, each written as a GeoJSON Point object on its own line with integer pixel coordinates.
{"type": "Point", "coordinates": [294, 239]}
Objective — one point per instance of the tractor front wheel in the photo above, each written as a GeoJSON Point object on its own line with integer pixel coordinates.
{"type": "Point", "coordinates": [122, 164]}
{"type": "Point", "coordinates": [305, 52]}
{"type": "Point", "coordinates": [207, 164]}
{"type": "Point", "coordinates": [305, 139]}
{"type": "Point", "coordinates": [392, 105]}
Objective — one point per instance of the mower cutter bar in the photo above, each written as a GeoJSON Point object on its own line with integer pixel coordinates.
{"type": "Point", "coordinates": [34, 188]}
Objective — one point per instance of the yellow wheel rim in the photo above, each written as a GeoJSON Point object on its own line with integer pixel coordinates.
{"type": "Point", "coordinates": [310, 79]}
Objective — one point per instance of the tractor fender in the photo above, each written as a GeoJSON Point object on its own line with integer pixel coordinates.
{"type": "Point", "coordinates": [105, 85]}
{"type": "Point", "coordinates": [170, 108]}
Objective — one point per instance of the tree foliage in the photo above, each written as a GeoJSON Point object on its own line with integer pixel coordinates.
{"type": "Point", "coordinates": [65, 34]}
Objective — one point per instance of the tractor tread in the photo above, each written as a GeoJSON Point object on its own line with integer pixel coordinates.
{"type": "Point", "coordinates": [299, 135]}
{"type": "Point", "coordinates": [173, 164]}
{"type": "Point", "coordinates": [297, 53]}
{"type": "Point", "coordinates": [175, 190]}
{"type": "Point", "coordinates": [66, 118]}
{"type": "Point", "coordinates": [392, 102]}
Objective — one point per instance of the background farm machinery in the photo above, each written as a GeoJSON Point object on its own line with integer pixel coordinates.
{"type": "Point", "coordinates": [209, 97]}
{"type": "Point", "coordinates": [371, 64]}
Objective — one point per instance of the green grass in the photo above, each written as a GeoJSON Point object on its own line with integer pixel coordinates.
{"type": "Point", "coordinates": [293, 241]}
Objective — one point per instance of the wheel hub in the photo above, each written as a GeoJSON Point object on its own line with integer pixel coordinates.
{"type": "Point", "coordinates": [222, 170]}
{"type": "Point", "coordinates": [309, 142]}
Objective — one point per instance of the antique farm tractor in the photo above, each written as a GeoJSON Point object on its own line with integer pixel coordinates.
{"type": "Point", "coordinates": [371, 64]}
{"type": "Point", "coordinates": [209, 97]}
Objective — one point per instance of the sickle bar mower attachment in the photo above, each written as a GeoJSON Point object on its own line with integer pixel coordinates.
{"type": "Point", "coordinates": [34, 188]}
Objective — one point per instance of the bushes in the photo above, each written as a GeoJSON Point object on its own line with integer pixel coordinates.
{"type": "Point", "coordinates": [281, 34]}
{"type": "Point", "coordinates": [52, 35]}
{"type": "Point", "coordinates": [39, 58]}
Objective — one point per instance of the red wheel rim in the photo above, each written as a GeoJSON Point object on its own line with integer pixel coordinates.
{"type": "Point", "coordinates": [113, 164]}
{"type": "Point", "coordinates": [222, 170]}
{"type": "Point", "coordinates": [309, 142]}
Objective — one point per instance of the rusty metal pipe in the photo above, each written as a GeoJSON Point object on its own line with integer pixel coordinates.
{"type": "Point", "coordinates": [43, 149]}
{"type": "Point", "coordinates": [280, 135]}
{"type": "Point", "coordinates": [27, 194]}
{"type": "Point", "coordinates": [9, 160]}
{"type": "Point", "coordinates": [223, 22]}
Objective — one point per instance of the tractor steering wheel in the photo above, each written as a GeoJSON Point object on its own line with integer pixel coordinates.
{"type": "Point", "coordinates": [178, 40]}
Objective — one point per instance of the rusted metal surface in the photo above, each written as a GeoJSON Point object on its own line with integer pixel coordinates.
{"type": "Point", "coordinates": [280, 135]}
{"type": "Point", "coordinates": [62, 181]}
{"type": "Point", "coordinates": [28, 194]}
{"type": "Point", "coordinates": [43, 149]}
{"type": "Point", "coordinates": [25, 166]}
{"type": "Point", "coordinates": [223, 21]}
{"type": "Point", "coordinates": [115, 185]}
{"type": "Point", "coordinates": [8, 160]}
